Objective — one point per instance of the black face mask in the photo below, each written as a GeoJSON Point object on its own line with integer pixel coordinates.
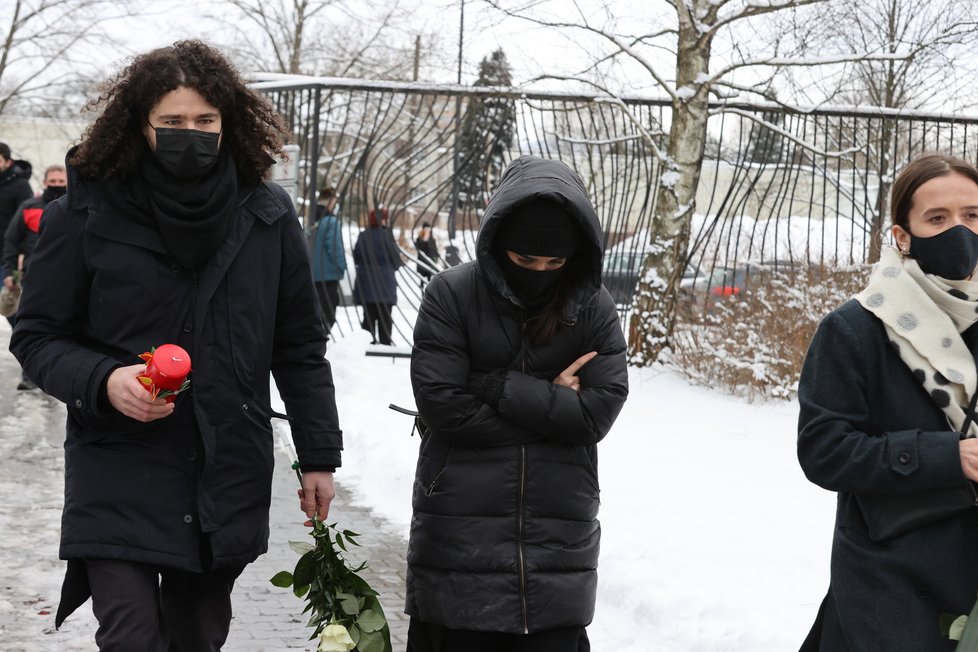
{"type": "Point", "coordinates": [528, 284]}
{"type": "Point", "coordinates": [186, 153]}
{"type": "Point", "coordinates": [53, 192]}
{"type": "Point", "coordinates": [951, 254]}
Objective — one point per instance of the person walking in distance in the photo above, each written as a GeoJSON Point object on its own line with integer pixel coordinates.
{"type": "Point", "coordinates": [15, 185]}
{"type": "Point", "coordinates": [22, 233]}
{"type": "Point", "coordinates": [428, 256]}
{"type": "Point", "coordinates": [377, 260]}
{"type": "Point", "coordinates": [328, 257]}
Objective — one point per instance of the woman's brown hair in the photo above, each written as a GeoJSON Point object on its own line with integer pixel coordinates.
{"type": "Point", "coordinates": [114, 143]}
{"type": "Point", "coordinates": [918, 172]}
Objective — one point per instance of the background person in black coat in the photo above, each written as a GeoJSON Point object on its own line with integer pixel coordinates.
{"type": "Point", "coordinates": [169, 235]}
{"type": "Point", "coordinates": [427, 250]}
{"type": "Point", "coordinates": [15, 184]}
{"type": "Point", "coordinates": [518, 370]}
{"type": "Point", "coordinates": [884, 396]}
{"type": "Point", "coordinates": [21, 236]}
{"type": "Point", "coordinates": [377, 260]}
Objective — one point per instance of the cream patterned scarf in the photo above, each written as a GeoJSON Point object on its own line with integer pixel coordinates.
{"type": "Point", "coordinates": [924, 316]}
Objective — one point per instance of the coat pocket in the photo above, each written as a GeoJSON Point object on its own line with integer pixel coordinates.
{"type": "Point", "coordinates": [432, 463]}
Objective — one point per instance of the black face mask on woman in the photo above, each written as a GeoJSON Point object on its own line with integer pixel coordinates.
{"type": "Point", "coordinates": [186, 153]}
{"type": "Point", "coordinates": [528, 284]}
{"type": "Point", "coordinates": [951, 254]}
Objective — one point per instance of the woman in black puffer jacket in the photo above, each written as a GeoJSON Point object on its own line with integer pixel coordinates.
{"type": "Point", "coordinates": [518, 372]}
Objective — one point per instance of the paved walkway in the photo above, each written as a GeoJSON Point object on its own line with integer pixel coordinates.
{"type": "Point", "coordinates": [267, 619]}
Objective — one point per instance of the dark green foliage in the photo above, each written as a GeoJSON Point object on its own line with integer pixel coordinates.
{"type": "Point", "coordinates": [487, 134]}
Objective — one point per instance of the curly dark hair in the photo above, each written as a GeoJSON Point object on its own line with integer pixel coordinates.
{"type": "Point", "coordinates": [113, 144]}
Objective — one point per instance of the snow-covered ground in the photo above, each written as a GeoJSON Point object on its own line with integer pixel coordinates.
{"type": "Point", "coordinates": [713, 539]}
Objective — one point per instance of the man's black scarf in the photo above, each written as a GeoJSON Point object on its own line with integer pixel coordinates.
{"type": "Point", "coordinates": [192, 217]}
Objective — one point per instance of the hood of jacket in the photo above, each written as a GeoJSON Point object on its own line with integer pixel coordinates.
{"type": "Point", "coordinates": [525, 179]}
{"type": "Point", "coordinates": [19, 170]}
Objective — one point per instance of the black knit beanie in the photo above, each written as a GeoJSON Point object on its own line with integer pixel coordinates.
{"type": "Point", "coordinates": [539, 227]}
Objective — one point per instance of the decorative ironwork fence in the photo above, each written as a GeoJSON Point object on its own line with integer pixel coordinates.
{"type": "Point", "coordinates": [780, 187]}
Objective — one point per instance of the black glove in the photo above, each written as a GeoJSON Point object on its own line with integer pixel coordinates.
{"type": "Point", "coordinates": [489, 389]}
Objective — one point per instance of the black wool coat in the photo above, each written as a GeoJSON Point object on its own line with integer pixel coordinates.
{"type": "Point", "coordinates": [103, 290]}
{"type": "Point", "coordinates": [505, 534]}
{"type": "Point", "coordinates": [866, 425]}
{"type": "Point", "coordinates": [15, 188]}
{"type": "Point", "coordinates": [377, 260]}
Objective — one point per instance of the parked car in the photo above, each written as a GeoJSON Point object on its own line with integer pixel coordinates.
{"type": "Point", "coordinates": [619, 272]}
{"type": "Point", "coordinates": [621, 269]}
{"type": "Point", "coordinates": [718, 282]}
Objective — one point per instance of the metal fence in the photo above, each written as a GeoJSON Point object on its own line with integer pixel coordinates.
{"type": "Point", "coordinates": [780, 187]}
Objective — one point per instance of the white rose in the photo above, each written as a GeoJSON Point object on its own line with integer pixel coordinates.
{"type": "Point", "coordinates": [335, 638]}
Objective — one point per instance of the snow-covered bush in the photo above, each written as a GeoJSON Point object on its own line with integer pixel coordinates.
{"type": "Point", "coordinates": [753, 343]}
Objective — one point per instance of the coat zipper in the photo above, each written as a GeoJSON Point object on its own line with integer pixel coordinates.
{"type": "Point", "coordinates": [520, 520]}
{"type": "Point", "coordinates": [519, 543]}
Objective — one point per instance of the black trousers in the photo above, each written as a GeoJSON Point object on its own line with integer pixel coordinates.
{"type": "Point", "coordinates": [147, 608]}
{"type": "Point", "coordinates": [424, 637]}
{"type": "Point", "coordinates": [329, 298]}
{"type": "Point", "coordinates": [377, 321]}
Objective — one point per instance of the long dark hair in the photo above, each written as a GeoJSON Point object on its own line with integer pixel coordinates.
{"type": "Point", "coordinates": [114, 143]}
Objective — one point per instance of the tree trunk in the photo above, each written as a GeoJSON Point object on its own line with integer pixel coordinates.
{"type": "Point", "coordinates": [654, 314]}
{"type": "Point", "coordinates": [882, 193]}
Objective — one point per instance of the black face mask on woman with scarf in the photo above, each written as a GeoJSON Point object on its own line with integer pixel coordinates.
{"type": "Point", "coordinates": [951, 254]}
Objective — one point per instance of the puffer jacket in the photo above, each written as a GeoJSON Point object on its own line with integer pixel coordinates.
{"type": "Point", "coordinates": [505, 534]}
{"type": "Point", "coordinates": [103, 289]}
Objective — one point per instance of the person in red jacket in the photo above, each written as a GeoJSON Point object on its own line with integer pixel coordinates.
{"type": "Point", "coordinates": [22, 233]}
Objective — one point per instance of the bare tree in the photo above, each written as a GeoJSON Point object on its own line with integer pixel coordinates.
{"type": "Point", "coordinates": [930, 39]}
{"type": "Point", "coordinates": [324, 37]}
{"type": "Point", "coordinates": [677, 55]}
{"type": "Point", "coordinates": [46, 50]}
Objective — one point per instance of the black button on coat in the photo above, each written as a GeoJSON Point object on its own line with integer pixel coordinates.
{"type": "Point", "coordinates": [505, 533]}
{"type": "Point", "coordinates": [102, 291]}
{"type": "Point", "coordinates": [866, 425]}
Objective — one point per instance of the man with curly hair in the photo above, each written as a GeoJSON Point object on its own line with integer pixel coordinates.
{"type": "Point", "coordinates": [169, 234]}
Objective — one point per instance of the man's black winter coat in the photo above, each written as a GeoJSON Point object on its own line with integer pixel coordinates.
{"type": "Point", "coordinates": [103, 290]}
{"type": "Point", "coordinates": [505, 533]}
